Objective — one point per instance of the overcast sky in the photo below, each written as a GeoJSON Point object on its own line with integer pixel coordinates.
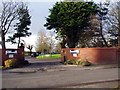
{"type": "Point", "coordinates": [39, 9]}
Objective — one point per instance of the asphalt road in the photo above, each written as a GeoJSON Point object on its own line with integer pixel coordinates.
{"type": "Point", "coordinates": [55, 79]}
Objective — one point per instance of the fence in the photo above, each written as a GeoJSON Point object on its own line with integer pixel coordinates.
{"type": "Point", "coordinates": [93, 55]}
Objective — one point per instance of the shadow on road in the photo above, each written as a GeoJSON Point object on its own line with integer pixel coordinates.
{"type": "Point", "coordinates": [43, 62]}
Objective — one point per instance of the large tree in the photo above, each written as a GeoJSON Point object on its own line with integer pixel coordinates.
{"type": "Point", "coordinates": [51, 41]}
{"type": "Point", "coordinates": [70, 20]}
{"type": "Point", "coordinates": [102, 13]}
{"type": "Point", "coordinates": [21, 28]}
{"type": "Point", "coordinates": [8, 14]}
{"type": "Point", "coordinates": [42, 42]}
{"type": "Point", "coordinates": [113, 22]}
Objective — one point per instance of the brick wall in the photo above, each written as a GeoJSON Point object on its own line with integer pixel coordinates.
{"type": "Point", "coordinates": [19, 55]}
{"type": "Point", "coordinates": [94, 55]}
{"type": "Point", "coordinates": [118, 55]}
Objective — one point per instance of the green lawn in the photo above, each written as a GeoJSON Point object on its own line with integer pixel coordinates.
{"type": "Point", "coordinates": [1, 67]}
{"type": "Point", "coordinates": [48, 56]}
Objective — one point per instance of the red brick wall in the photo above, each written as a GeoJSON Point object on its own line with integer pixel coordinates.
{"type": "Point", "coordinates": [94, 55]}
{"type": "Point", "coordinates": [19, 55]}
{"type": "Point", "coordinates": [118, 55]}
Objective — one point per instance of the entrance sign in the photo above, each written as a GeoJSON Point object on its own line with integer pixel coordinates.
{"type": "Point", "coordinates": [74, 51]}
{"type": "Point", "coordinates": [75, 55]}
{"type": "Point", "coordinates": [11, 52]}
{"type": "Point", "coordinates": [11, 55]}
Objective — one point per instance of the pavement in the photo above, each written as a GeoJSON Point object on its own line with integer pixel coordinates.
{"type": "Point", "coordinates": [53, 74]}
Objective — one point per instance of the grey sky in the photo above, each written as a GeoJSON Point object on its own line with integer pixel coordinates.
{"type": "Point", "coordinates": [38, 11]}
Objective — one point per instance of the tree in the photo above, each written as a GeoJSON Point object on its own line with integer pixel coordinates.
{"type": "Point", "coordinates": [113, 22]}
{"type": "Point", "coordinates": [42, 42]}
{"type": "Point", "coordinates": [51, 41]}
{"type": "Point", "coordinates": [7, 16]}
{"type": "Point", "coordinates": [30, 47]}
{"type": "Point", "coordinates": [70, 20]}
{"type": "Point", "coordinates": [21, 27]}
{"type": "Point", "coordinates": [88, 36]}
{"type": "Point", "coordinates": [58, 48]}
{"type": "Point", "coordinates": [95, 36]}
{"type": "Point", "coordinates": [103, 11]}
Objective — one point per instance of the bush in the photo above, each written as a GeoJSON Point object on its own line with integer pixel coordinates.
{"type": "Point", "coordinates": [11, 63]}
{"type": "Point", "coordinates": [78, 62]}
{"type": "Point", "coordinates": [84, 63]}
{"type": "Point", "coordinates": [1, 67]}
{"type": "Point", "coordinates": [73, 62]}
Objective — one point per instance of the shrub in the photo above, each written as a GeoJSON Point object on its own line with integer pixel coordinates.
{"type": "Point", "coordinates": [72, 62]}
{"type": "Point", "coordinates": [11, 63]}
{"type": "Point", "coordinates": [81, 62]}
{"type": "Point", "coordinates": [84, 62]}
{"type": "Point", "coordinates": [1, 67]}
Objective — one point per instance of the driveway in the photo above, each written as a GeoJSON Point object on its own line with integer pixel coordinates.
{"type": "Point", "coordinates": [52, 74]}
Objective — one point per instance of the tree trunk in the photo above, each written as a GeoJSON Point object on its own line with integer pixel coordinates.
{"type": "Point", "coordinates": [119, 29]}
{"type": "Point", "coordinates": [18, 42]}
{"type": "Point", "coordinates": [119, 36]}
{"type": "Point", "coordinates": [30, 51]}
{"type": "Point", "coordinates": [3, 46]}
{"type": "Point", "coordinates": [101, 34]}
{"type": "Point", "coordinates": [3, 39]}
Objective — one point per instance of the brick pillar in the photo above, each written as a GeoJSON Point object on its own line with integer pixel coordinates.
{"type": "Point", "coordinates": [118, 55]}
{"type": "Point", "coordinates": [20, 54]}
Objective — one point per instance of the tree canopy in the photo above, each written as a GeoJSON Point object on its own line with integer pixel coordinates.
{"type": "Point", "coordinates": [11, 12]}
{"type": "Point", "coordinates": [7, 17]}
{"type": "Point", "coordinates": [70, 20]}
{"type": "Point", "coordinates": [113, 22]}
{"type": "Point", "coordinates": [21, 28]}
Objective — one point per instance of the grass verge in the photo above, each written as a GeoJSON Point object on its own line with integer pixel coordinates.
{"type": "Point", "coordinates": [1, 67]}
{"type": "Point", "coordinates": [49, 56]}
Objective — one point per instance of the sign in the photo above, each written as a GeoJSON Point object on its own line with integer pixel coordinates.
{"type": "Point", "coordinates": [11, 51]}
{"type": "Point", "coordinates": [74, 51]}
{"type": "Point", "coordinates": [75, 55]}
{"type": "Point", "coordinates": [11, 56]}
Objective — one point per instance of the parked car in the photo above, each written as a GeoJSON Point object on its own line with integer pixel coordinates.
{"type": "Point", "coordinates": [34, 54]}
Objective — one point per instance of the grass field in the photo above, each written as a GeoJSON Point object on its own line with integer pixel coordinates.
{"type": "Point", "coordinates": [48, 56]}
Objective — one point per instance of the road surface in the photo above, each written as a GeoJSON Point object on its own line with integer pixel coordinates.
{"type": "Point", "coordinates": [54, 79]}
